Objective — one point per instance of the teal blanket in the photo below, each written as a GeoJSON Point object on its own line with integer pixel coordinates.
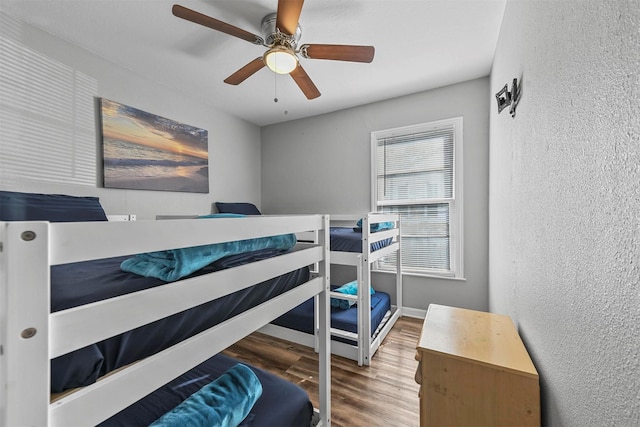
{"type": "Point", "coordinates": [378, 226]}
{"type": "Point", "coordinates": [350, 288]}
{"type": "Point", "coordinates": [224, 402]}
{"type": "Point", "coordinates": [173, 264]}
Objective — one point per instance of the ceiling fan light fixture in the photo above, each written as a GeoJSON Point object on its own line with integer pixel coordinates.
{"type": "Point", "coordinates": [281, 60]}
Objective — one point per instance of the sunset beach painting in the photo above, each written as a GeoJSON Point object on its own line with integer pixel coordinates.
{"type": "Point", "coordinates": [142, 151]}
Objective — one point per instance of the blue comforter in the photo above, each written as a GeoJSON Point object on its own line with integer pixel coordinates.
{"type": "Point", "coordinates": [350, 288]}
{"type": "Point", "coordinates": [223, 403]}
{"type": "Point", "coordinates": [173, 264]}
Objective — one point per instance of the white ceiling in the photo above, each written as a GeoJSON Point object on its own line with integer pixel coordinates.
{"type": "Point", "coordinates": [420, 45]}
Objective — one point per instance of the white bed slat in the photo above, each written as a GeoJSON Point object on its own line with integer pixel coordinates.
{"type": "Point", "coordinates": [383, 252]}
{"type": "Point", "coordinates": [344, 334]}
{"type": "Point", "coordinates": [345, 258]}
{"type": "Point", "coordinates": [288, 334]}
{"type": "Point", "coordinates": [77, 241]}
{"type": "Point", "coordinates": [374, 217]}
{"type": "Point", "coordinates": [382, 235]}
{"type": "Point", "coordinates": [343, 296]}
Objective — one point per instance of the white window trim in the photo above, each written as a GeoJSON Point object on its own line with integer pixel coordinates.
{"type": "Point", "coordinates": [456, 231]}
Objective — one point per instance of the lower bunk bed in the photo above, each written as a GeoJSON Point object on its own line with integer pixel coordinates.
{"type": "Point", "coordinates": [358, 241]}
{"type": "Point", "coordinates": [267, 411]}
{"type": "Point", "coordinates": [124, 352]}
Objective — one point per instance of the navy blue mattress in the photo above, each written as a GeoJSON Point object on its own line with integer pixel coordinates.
{"type": "Point", "coordinates": [268, 411]}
{"type": "Point", "coordinates": [85, 282]}
{"type": "Point", "coordinates": [301, 318]}
{"type": "Point", "coordinates": [346, 239]}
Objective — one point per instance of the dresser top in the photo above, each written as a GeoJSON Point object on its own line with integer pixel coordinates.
{"type": "Point", "coordinates": [476, 336]}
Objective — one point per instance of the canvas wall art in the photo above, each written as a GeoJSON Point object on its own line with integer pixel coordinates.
{"type": "Point", "coordinates": [143, 151]}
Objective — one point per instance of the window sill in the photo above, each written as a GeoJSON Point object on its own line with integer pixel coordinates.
{"type": "Point", "coordinates": [423, 275]}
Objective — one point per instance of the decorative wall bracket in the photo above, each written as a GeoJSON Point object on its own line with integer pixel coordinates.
{"type": "Point", "coordinates": [506, 98]}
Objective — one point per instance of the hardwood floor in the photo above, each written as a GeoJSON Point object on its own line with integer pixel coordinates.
{"type": "Point", "coordinates": [383, 394]}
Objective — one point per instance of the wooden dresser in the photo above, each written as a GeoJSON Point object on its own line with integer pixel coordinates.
{"type": "Point", "coordinates": [474, 371]}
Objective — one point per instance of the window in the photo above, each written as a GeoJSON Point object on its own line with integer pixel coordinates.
{"type": "Point", "coordinates": [47, 116]}
{"type": "Point", "coordinates": [417, 172]}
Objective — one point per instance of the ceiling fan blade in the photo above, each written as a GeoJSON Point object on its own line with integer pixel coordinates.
{"type": "Point", "coordinates": [338, 52]}
{"type": "Point", "coordinates": [304, 82]}
{"type": "Point", "coordinates": [288, 15]}
{"type": "Point", "coordinates": [245, 72]}
{"type": "Point", "coordinates": [207, 21]}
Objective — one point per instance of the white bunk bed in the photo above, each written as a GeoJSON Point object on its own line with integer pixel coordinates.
{"type": "Point", "coordinates": [31, 336]}
{"type": "Point", "coordinates": [368, 340]}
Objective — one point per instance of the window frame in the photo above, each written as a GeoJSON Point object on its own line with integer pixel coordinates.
{"type": "Point", "coordinates": [456, 224]}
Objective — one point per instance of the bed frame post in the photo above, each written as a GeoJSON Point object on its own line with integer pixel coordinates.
{"type": "Point", "coordinates": [399, 303]}
{"type": "Point", "coordinates": [364, 295]}
{"type": "Point", "coordinates": [24, 320]}
{"type": "Point", "coordinates": [324, 332]}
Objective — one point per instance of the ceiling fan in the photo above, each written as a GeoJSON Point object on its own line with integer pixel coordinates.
{"type": "Point", "coordinates": [281, 35]}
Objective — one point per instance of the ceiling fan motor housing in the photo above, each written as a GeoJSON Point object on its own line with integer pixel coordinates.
{"type": "Point", "coordinates": [273, 36]}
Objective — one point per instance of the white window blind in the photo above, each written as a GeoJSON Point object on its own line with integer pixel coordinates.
{"type": "Point", "coordinates": [47, 128]}
{"type": "Point", "coordinates": [415, 176]}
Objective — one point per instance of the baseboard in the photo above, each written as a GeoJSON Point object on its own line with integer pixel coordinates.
{"type": "Point", "coordinates": [414, 312]}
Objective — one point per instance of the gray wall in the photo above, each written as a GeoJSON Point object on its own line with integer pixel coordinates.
{"type": "Point", "coordinates": [49, 85]}
{"type": "Point", "coordinates": [322, 164]}
{"type": "Point", "coordinates": [564, 203]}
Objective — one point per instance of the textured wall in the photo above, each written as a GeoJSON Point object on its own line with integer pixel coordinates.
{"type": "Point", "coordinates": [565, 203]}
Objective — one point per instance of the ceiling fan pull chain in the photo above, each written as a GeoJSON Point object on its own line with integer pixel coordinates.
{"type": "Point", "coordinates": [275, 87]}
{"type": "Point", "coordinates": [275, 92]}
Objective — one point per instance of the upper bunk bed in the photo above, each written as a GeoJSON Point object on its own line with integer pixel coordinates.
{"type": "Point", "coordinates": [52, 317]}
{"type": "Point", "coordinates": [358, 241]}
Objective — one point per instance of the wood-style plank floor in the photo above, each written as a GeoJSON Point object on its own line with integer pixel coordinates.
{"type": "Point", "coordinates": [383, 394]}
